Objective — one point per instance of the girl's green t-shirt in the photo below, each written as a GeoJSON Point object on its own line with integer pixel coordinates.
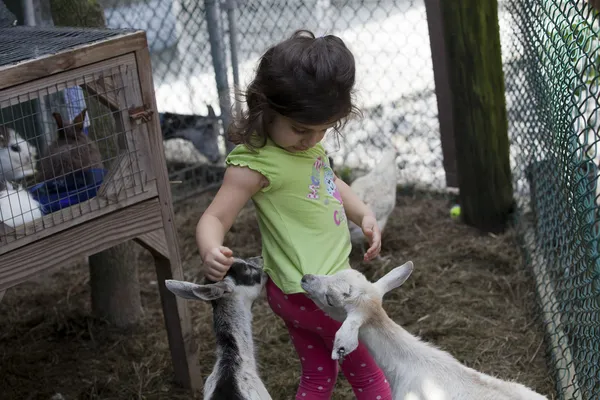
{"type": "Point", "coordinates": [300, 213]}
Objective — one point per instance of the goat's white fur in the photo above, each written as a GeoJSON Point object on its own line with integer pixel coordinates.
{"type": "Point", "coordinates": [238, 316]}
{"type": "Point", "coordinates": [416, 370]}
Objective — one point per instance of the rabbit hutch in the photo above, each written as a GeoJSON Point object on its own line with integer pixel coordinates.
{"type": "Point", "coordinates": [82, 162]}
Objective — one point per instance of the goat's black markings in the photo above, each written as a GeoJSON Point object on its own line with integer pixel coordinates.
{"type": "Point", "coordinates": [243, 274]}
{"type": "Point", "coordinates": [229, 363]}
{"type": "Point", "coordinates": [229, 366]}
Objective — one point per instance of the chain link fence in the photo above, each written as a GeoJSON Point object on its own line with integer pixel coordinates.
{"type": "Point", "coordinates": [552, 60]}
{"type": "Point", "coordinates": [202, 49]}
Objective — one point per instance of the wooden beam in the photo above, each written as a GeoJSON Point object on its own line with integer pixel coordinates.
{"type": "Point", "coordinates": [443, 92]}
{"type": "Point", "coordinates": [184, 349]}
{"type": "Point", "coordinates": [15, 74]}
{"type": "Point", "coordinates": [63, 79]}
{"type": "Point", "coordinates": [119, 178]}
{"type": "Point", "coordinates": [81, 240]}
{"type": "Point", "coordinates": [105, 90]}
{"type": "Point", "coordinates": [58, 221]}
{"type": "Point", "coordinates": [155, 242]}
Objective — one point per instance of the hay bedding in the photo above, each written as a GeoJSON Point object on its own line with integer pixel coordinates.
{"type": "Point", "coordinates": [468, 295]}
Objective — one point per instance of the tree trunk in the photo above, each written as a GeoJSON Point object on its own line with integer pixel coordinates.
{"type": "Point", "coordinates": [472, 38]}
{"type": "Point", "coordinates": [80, 13]}
{"type": "Point", "coordinates": [113, 272]}
{"type": "Point", "coordinates": [115, 285]}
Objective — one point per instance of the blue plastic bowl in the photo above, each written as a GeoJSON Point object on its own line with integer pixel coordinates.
{"type": "Point", "coordinates": [56, 194]}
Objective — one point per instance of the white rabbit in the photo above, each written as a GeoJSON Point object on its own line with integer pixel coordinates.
{"type": "Point", "coordinates": [17, 206]}
{"type": "Point", "coordinates": [17, 156]}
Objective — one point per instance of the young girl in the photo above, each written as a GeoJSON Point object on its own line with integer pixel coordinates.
{"type": "Point", "coordinates": [303, 88]}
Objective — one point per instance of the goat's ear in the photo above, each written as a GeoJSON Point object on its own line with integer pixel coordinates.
{"type": "Point", "coordinates": [193, 291]}
{"type": "Point", "coordinates": [395, 278]}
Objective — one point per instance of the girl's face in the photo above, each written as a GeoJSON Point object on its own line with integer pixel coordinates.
{"type": "Point", "coordinates": [294, 136]}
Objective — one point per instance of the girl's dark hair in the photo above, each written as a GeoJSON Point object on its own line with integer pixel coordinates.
{"type": "Point", "coordinates": [309, 80]}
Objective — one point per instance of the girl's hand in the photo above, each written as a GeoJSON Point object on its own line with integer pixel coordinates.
{"type": "Point", "coordinates": [217, 262]}
{"type": "Point", "coordinates": [371, 231]}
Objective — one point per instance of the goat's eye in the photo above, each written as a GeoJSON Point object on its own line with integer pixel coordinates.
{"type": "Point", "coordinates": [328, 300]}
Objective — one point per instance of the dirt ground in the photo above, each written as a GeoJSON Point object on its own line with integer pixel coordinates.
{"type": "Point", "coordinates": [468, 295]}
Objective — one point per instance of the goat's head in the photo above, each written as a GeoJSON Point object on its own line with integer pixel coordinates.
{"type": "Point", "coordinates": [349, 297]}
{"type": "Point", "coordinates": [245, 280]}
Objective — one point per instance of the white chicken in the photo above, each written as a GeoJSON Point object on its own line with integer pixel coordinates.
{"type": "Point", "coordinates": [377, 189]}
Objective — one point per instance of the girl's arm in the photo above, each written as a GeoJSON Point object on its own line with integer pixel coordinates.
{"type": "Point", "coordinates": [355, 209]}
{"type": "Point", "coordinates": [239, 185]}
{"type": "Point", "coordinates": [359, 213]}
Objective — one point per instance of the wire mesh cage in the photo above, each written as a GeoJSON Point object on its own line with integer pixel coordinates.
{"type": "Point", "coordinates": [82, 165]}
{"type": "Point", "coordinates": [72, 147]}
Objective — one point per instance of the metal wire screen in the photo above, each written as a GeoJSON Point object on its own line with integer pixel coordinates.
{"type": "Point", "coordinates": [68, 149]}
{"type": "Point", "coordinates": [20, 43]}
{"type": "Point", "coordinates": [191, 47]}
{"type": "Point", "coordinates": [552, 70]}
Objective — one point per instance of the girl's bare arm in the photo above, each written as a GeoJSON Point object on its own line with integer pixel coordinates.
{"type": "Point", "coordinates": [355, 209]}
{"type": "Point", "coordinates": [239, 185]}
{"type": "Point", "coordinates": [362, 215]}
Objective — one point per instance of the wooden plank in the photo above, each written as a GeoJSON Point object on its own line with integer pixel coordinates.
{"type": "Point", "coordinates": [154, 242]}
{"type": "Point", "coordinates": [139, 138]}
{"type": "Point", "coordinates": [559, 341]}
{"type": "Point", "coordinates": [105, 90]}
{"type": "Point", "coordinates": [76, 57]}
{"type": "Point", "coordinates": [5, 231]}
{"type": "Point", "coordinates": [119, 178]}
{"type": "Point", "coordinates": [136, 138]}
{"type": "Point", "coordinates": [66, 218]}
{"type": "Point", "coordinates": [82, 240]}
{"type": "Point", "coordinates": [443, 92]}
{"type": "Point", "coordinates": [184, 349]}
{"type": "Point", "coordinates": [2, 293]}
{"type": "Point", "coordinates": [60, 81]}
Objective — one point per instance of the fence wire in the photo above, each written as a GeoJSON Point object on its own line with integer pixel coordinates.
{"type": "Point", "coordinates": [389, 39]}
{"type": "Point", "coordinates": [552, 70]}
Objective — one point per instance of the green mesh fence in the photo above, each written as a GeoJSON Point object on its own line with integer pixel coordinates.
{"type": "Point", "coordinates": [552, 70]}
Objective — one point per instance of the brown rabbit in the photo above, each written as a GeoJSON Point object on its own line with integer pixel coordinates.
{"type": "Point", "coordinates": [72, 150]}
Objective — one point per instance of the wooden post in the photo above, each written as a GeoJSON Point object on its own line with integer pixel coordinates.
{"type": "Point", "coordinates": [113, 272]}
{"type": "Point", "coordinates": [475, 97]}
{"type": "Point", "coordinates": [184, 348]}
{"type": "Point", "coordinates": [442, 89]}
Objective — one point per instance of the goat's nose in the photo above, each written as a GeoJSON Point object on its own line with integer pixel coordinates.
{"type": "Point", "coordinates": [306, 278]}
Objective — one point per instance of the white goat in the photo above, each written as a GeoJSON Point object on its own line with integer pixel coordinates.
{"type": "Point", "coordinates": [234, 375]}
{"type": "Point", "coordinates": [416, 370]}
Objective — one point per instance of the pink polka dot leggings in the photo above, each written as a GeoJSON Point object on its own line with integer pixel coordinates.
{"type": "Point", "coordinates": [312, 333]}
